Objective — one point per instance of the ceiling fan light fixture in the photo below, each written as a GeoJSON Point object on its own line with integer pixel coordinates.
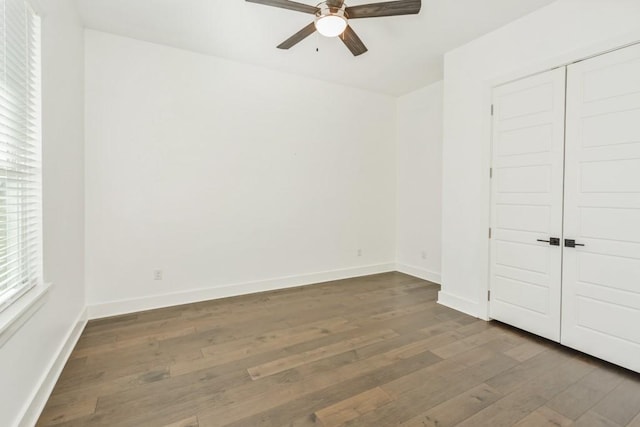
{"type": "Point", "coordinates": [332, 24]}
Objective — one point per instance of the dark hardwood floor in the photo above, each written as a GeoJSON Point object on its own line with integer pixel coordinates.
{"type": "Point", "coordinates": [372, 351]}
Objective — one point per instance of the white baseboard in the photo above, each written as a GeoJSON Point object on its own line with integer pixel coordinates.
{"type": "Point", "coordinates": [420, 273]}
{"type": "Point", "coordinates": [472, 308]}
{"type": "Point", "coordinates": [114, 308]}
{"type": "Point", "coordinates": [38, 400]}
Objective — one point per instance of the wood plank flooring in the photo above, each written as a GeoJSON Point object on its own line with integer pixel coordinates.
{"type": "Point", "coordinates": [373, 351]}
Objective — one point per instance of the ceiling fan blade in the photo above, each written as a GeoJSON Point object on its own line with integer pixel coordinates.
{"type": "Point", "coordinates": [285, 4]}
{"type": "Point", "coordinates": [389, 8]}
{"type": "Point", "coordinates": [353, 42]}
{"type": "Point", "coordinates": [298, 37]}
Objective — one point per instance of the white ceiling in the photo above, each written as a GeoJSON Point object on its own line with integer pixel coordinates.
{"type": "Point", "coordinates": [405, 52]}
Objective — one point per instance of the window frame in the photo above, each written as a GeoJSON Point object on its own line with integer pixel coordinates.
{"type": "Point", "coordinates": [19, 301]}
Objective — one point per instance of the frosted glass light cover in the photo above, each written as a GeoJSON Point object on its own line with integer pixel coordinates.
{"type": "Point", "coordinates": [331, 25]}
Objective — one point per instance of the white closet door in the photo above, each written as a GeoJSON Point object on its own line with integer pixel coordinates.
{"type": "Point", "coordinates": [601, 283]}
{"type": "Point", "coordinates": [528, 146]}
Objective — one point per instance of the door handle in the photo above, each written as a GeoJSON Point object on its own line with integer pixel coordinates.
{"type": "Point", "coordinates": [553, 241]}
{"type": "Point", "coordinates": [571, 243]}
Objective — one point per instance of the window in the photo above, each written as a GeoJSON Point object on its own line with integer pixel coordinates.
{"type": "Point", "coordinates": [20, 151]}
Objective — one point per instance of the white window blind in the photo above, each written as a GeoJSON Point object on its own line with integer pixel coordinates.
{"type": "Point", "coordinates": [20, 151]}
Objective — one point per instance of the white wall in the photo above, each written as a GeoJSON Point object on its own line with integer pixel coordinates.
{"type": "Point", "coordinates": [560, 33]}
{"type": "Point", "coordinates": [228, 177]}
{"type": "Point", "coordinates": [419, 185]}
{"type": "Point", "coordinates": [26, 359]}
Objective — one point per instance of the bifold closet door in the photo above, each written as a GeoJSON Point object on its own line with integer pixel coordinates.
{"type": "Point", "coordinates": [601, 283]}
{"type": "Point", "coordinates": [526, 214]}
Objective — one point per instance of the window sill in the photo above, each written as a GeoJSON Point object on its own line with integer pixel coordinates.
{"type": "Point", "coordinates": [17, 314]}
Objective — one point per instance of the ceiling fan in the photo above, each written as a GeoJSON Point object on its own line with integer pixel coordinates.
{"type": "Point", "coordinates": [332, 18]}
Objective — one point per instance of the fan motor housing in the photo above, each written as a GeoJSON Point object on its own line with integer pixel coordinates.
{"type": "Point", "coordinates": [326, 10]}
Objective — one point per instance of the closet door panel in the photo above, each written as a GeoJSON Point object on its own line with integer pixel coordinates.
{"type": "Point", "coordinates": [527, 160]}
{"type": "Point", "coordinates": [601, 280]}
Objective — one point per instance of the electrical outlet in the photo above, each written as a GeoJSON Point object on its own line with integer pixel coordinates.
{"type": "Point", "coordinates": [359, 252]}
{"type": "Point", "coordinates": [157, 274]}
{"type": "Point", "coordinates": [424, 255]}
